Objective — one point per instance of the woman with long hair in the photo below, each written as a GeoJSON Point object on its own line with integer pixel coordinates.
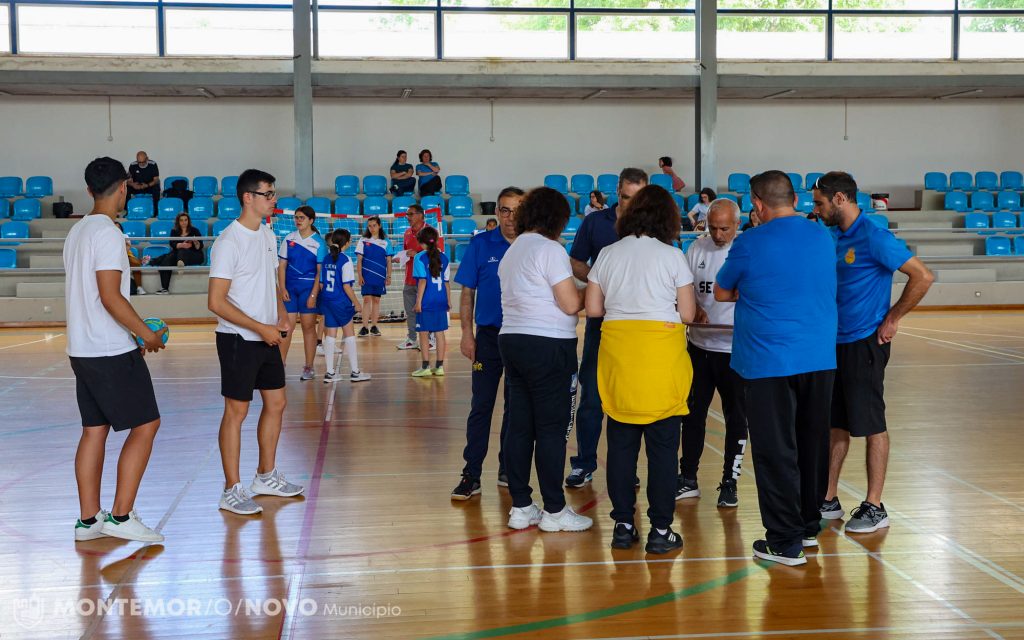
{"type": "Point", "coordinates": [698, 215]}
{"type": "Point", "coordinates": [373, 270]}
{"type": "Point", "coordinates": [339, 304]}
{"type": "Point", "coordinates": [403, 176]}
{"type": "Point", "coordinates": [183, 252]}
{"type": "Point", "coordinates": [302, 252]}
{"type": "Point", "coordinates": [433, 300]}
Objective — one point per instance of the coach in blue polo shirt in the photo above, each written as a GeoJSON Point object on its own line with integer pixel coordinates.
{"type": "Point", "coordinates": [866, 257]}
{"type": "Point", "coordinates": [782, 276]}
{"type": "Point", "coordinates": [596, 233]}
{"type": "Point", "coordinates": [478, 275]}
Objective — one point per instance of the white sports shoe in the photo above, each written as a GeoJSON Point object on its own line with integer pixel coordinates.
{"type": "Point", "coordinates": [131, 529]}
{"type": "Point", "coordinates": [407, 344]}
{"type": "Point", "coordinates": [523, 517]}
{"type": "Point", "coordinates": [91, 531]}
{"type": "Point", "coordinates": [359, 376]}
{"type": "Point", "coordinates": [237, 500]}
{"type": "Point", "coordinates": [565, 520]}
{"type": "Point", "coordinates": [140, 291]}
{"type": "Point", "coordinates": [274, 485]}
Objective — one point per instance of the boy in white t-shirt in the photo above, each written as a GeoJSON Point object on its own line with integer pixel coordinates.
{"type": "Point", "coordinates": [114, 387]}
{"type": "Point", "coordinates": [252, 323]}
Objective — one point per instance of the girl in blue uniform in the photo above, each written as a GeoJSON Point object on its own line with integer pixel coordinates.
{"type": "Point", "coordinates": [373, 270]}
{"type": "Point", "coordinates": [298, 270]}
{"type": "Point", "coordinates": [430, 269]}
{"type": "Point", "coordinates": [339, 304]}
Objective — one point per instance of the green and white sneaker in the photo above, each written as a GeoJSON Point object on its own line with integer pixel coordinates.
{"type": "Point", "coordinates": [131, 529]}
{"type": "Point", "coordinates": [91, 531]}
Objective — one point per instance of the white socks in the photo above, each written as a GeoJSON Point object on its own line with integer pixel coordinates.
{"type": "Point", "coordinates": [329, 354]}
{"type": "Point", "coordinates": [349, 345]}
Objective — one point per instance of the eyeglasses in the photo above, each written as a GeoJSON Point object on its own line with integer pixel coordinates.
{"type": "Point", "coordinates": [505, 211]}
{"type": "Point", "coordinates": [269, 195]}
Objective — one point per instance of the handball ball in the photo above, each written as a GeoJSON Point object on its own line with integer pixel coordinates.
{"type": "Point", "coordinates": [156, 324]}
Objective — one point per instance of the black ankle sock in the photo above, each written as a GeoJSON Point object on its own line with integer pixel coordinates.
{"type": "Point", "coordinates": [426, 364]}
{"type": "Point", "coordinates": [440, 363]}
{"type": "Point", "coordinates": [123, 518]}
{"type": "Point", "coordinates": [89, 521]}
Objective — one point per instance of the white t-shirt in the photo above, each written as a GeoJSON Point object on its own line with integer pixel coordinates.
{"type": "Point", "coordinates": [94, 244]}
{"type": "Point", "coordinates": [249, 260]}
{"type": "Point", "coordinates": [639, 278]}
{"type": "Point", "coordinates": [705, 260]}
{"type": "Point", "coordinates": [700, 210]}
{"type": "Point", "coordinates": [531, 266]}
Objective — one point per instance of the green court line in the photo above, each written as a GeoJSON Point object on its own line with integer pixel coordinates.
{"type": "Point", "coordinates": [627, 607]}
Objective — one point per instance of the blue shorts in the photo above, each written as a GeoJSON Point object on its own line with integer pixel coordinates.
{"type": "Point", "coordinates": [299, 294]}
{"type": "Point", "coordinates": [337, 313]}
{"type": "Point", "coordinates": [432, 321]}
{"type": "Point", "coordinates": [373, 290]}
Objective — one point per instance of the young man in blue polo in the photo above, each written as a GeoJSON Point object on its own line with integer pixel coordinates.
{"type": "Point", "coordinates": [866, 257]}
{"type": "Point", "coordinates": [481, 301]}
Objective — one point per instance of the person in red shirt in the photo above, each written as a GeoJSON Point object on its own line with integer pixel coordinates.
{"type": "Point", "coordinates": [665, 162]}
{"type": "Point", "coordinates": [412, 246]}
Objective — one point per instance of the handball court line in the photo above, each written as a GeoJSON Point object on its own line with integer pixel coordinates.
{"type": "Point", "coordinates": [25, 344]}
{"type": "Point", "coordinates": [916, 629]}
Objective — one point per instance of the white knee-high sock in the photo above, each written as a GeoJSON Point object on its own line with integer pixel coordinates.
{"type": "Point", "coordinates": [350, 348]}
{"type": "Point", "coordinates": [329, 353]}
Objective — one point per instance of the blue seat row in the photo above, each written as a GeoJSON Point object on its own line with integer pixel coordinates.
{"type": "Point", "coordinates": [34, 187]}
{"type": "Point", "coordinates": [23, 210]}
{"type": "Point", "coordinates": [1003, 246]}
{"type": "Point", "coordinates": [377, 185]}
{"type": "Point", "coordinates": [997, 220]}
{"type": "Point", "coordinates": [983, 201]}
{"type": "Point", "coordinates": [199, 208]}
{"type": "Point", "coordinates": [980, 181]}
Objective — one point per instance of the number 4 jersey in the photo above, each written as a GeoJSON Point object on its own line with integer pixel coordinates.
{"type": "Point", "coordinates": [705, 259]}
{"type": "Point", "coordinates": [435, 297]}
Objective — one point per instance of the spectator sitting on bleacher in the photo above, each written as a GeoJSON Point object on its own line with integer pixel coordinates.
{"type": "Point", "coordinates": [665, 162]}
{"type": "Point", "coordinates": [403, 176]}
{"type": "Point", "coordinates": [490, 225]}
{"type": "Point", "coordinates": [135, 284]}
{"type": "Point", "coordinates": [182, 253]}
{"type": "Point", "coordinates": [428, 170]}
{"type": "Point", "coordinates": [143, 177]}
{"type": "Point", "coordinates": [179, 189]}
{"type": "Point", "coordinates": [597, 203]}
{"type": "Point", "coordinates": [698, 215]}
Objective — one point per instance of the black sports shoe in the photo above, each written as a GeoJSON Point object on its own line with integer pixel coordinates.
{"type": "Point", "coordinates": [374, 331]}
{"type": "Point", "coordinates": [657, 543]}
{"type": "Point", "coordinates": [468, 487]}
{"type": "Point", "coordinates": [624, 537]}
{"type": "Point", "coordinates": [364, 332]}
{"type": "Point", "coordinates": [686, 488]}
{"type": "Point", "coordinates": [831, 509]}
{"type": "Point", "coordinates": [790, 557]}
{"type": "Point", "coordinates": [727, 493]}
{"type": "Point", "coordinates": [502, 479]}
{"type": "Point", "coordinates": [577, 478]}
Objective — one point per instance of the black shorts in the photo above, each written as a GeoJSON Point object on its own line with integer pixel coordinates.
{"type": "Point", "coordinates": [858, 405]}
{"type": "Point", "coordinates": [115, 390]}
{"type": "Point", "coordinates": [246, 365]}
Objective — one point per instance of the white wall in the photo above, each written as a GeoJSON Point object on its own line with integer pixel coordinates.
{"type": "Point", "coordinates": [891, 143]}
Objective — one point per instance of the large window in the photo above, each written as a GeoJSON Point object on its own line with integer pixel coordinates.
{"type": "Point", "coordinates": [506, 35]}
{"type": "Point", "coordinates": [86, 30]}
{"type": "Point", "coordinates": [893, 37]}
{"type": "Point", "coordinates": [5, 29]}
{"type": "Point", "coordinates": [383, 34]}
{"type": "Point", "coordinates": [635, 36]}
{"type": "Point", "coordinates": [992, 37]}
{"type": "Point", "coordinates": [779, 37]}
{"type": "Point", "coordinates": [229, 32]}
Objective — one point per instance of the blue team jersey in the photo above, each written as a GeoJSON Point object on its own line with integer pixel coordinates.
{"type": "Point", "coordinates": [866, 257]}
{"type": "Point", "coordinates": [303, 256]}
{"type": "Point", "coordinates": [376, 253]}
{"type": "Point", "coordinates": [333, 276]}
{"type": "Point", "coordinates": [479, 270]}
{"type": "Point", "coordinates": [435, 296]}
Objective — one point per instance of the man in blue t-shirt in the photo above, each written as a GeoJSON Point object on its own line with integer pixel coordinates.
{"type": "Point", "coordinates": [782, 277]}
{"type": "Point", "coordinates": [478, 275]}
{"type": "Point", "coordinates": [866, 257]}
{"type": "Point", "coordinates": [596, 233]}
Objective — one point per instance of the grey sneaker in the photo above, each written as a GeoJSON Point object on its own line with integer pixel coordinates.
{"type": "Point", "coordinates": [274, 485]}
{"type": "Point", "coordinates": [577, 478]}
{"type": "Point", "coordinates": [307, 374]}
{"type": "Point", "coordinates": [237, 500]}
{"type": "Point", "coordinates": [867, 518]}
{"type": "Point", "coordinates": [831, 509]}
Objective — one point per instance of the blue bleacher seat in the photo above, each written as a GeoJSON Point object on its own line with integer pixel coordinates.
{"type": "Point", "coordinates": [983, 201]}
{"type": "Point", "coordinates": [200, 209]}
{"type": "Point", "coordinates": [568, 247]}
{"type": "Point", "coordinates": [155, 250]}
{"type": "Point", "coordinates": [10, 187]}
{"type": "Point", "coordinates": [229, 208]}
{"type": "Point", "coordinates": [401, 204]}
{"type": "Point", "coordinates": [729, 196]}
{"type": "Point", "coordinates": [685, 244]}
{"type": "Point", "coordinates": [680, 202]}
{"type": "Point", "coordinates": [936, 181]}
{"type": "Point", "coordinates": [739, 182]}
{"type": "Point", "coordinates": [613, 199]}
{"type": "Point", "coordinates": [557, 181]}
{"type": "Point", "coordinates": [456, 185]}
{"type": "Point", "coordinates": [460, 251]}
{"type": "Point", "coordinates": [1018, 246]}
{"type": "Point", "coordinates": [1004, 220]}
{"type": "Point", "coordinates": [956, 201]}
{"type": "Point", "coordinates": [229, 186]}
{"type": "Point", "coordinates": [460, 206]}
{"type": "Point", "coordinates": [140, 208]}
{"type": "Point", "coordinates": [663, 180]}
{"type": "Point", "coordinates": [961, 181]}
{"type": "Point", "coordinates": [205, 186]}
{"type": "Point", "coordinates": [162, 228]}
{"type": "Point", "coordinates": [608, 183]}
{"type": "Point", "coordinates": [375, 185]}
{"type": "Point", "coordinates": [805, 202]}
{"type": "Point", "coordinates": [136, 228]}
{"type": "Point", "coordinates": [347, 205]}
{"type": "Point", "coordinates": [1009, 200]}
{"type": "Point", "coordinates": [39, 187]}
{"type": "Point", "coordinates": [8, 258]}
{"type": "Point", "coordinates": [351, 224]}
{"type": "Point", "coordinates": [399, 226]}
{"type": "Point", "coordinates": [691, 201]}
{"type": "Point", "coordinates": [26, 209]}
{"type": "Point", "coordinates": [976, 221]}
{"type": "Point", "coordinates": [572, 226]}
{"type": "Point", "coordinates": [346, 185]}
{"type": "Point", "coordinates": [1011, 180]}
{"type": "Point", "coordinates": [220, 225]}
{"type": "Point", "coordinates": [375, 205]}
{"type": "Point", "coordinates": [997, 246]}
{"type": "Point", "coordinates": [879, 219]}
{"type": "Point", "coordinates": [582, 184]}
{"type": "Point", "coordinates": [13, 230]}
{"type": "Point", "coordinates": [170, 180]}
{"type": "Point", "coordinates": [463, 227]}
{"type": "Point", "coordinates": [746, 204]}
{"type": "Point", "coordinates": [744, 221]}
{"type": "Point", "coordinates": [290, 203]}
{"type": "Point", "coordinates": [433, 202]}
{"type": "Point", "coordinates": [319, 204]}
{"type": "Point", "coordinates": [797, 180]}
{"type": "Point", "coordinates": [864, 201]}
{"type": "Point", "coordinates": [987, 180]}
{"type": "Point", "coordinates": [169, 208]}
{"type": "Point", "coordinates": [5, 208]}
{"type": "Point", "coordinates": [571, 201]}
{"type": "Point", "coordinates": [811, 179]}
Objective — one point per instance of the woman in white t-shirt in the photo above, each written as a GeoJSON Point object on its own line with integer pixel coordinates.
{"type": "Point", "coordinates": [540, 306]}
{"type": "Point", "coordinates": [643, 287]}
{"type": "Point", "coordinates": [698, 215]}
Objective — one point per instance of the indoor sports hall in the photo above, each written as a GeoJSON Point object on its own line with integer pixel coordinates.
{"type": "Point", "coordinates": [917, 100]}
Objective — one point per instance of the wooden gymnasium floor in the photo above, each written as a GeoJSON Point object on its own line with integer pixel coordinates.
{"type": "Point", "coordinates": [377, 550]}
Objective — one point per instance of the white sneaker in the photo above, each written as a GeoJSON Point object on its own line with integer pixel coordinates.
{"type": "Point", "coordinates": [131, 529]}
{"type": "Point", "coordinates": [91, 531]}
{"type": "Point", "coordinates": [139, 291]}
{"type": "Point", "coordinates": [523, 517]}
{"type": "Point", "coordinates": [565, 520]}
{"type": "Point", "coordinates": [809, 543]}
{"type": "Point", "coordinates": [274, 485]}
{"type": "Point", "coordinates": [320, 350]}
{"type": "Point", "coordinates": [407, 344]}
{"type": "Point", "coordinates": [237, 500]}
{"type": "Point", "coordinates": [359, 376]}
